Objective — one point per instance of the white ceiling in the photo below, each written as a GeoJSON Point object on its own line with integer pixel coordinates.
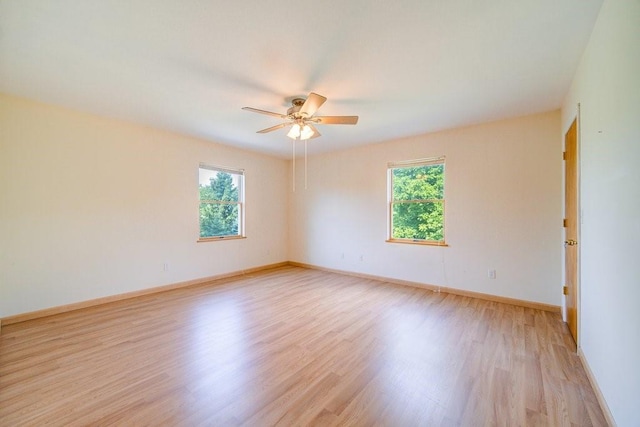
{"type": "Point", "coordinates": [404, 67]}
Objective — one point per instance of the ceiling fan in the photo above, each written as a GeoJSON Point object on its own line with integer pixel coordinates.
{"type": "Point", "coordinates": [301, 117]}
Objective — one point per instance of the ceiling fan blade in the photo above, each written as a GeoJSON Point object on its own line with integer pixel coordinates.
{"type": "Point", "coordinates": [315, 131]}
{"type": "Point", "coordinates": [311, 105]}
{"type": "Point", "coordinates": [336, 120]}
{"type": "Point", "coordinates": [268, 113]}
{"type": "Point", "coordinates": [272, 128]}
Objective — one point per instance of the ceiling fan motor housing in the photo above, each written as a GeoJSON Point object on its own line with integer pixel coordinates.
{"type": "Point", "coordinates": [297, 104]}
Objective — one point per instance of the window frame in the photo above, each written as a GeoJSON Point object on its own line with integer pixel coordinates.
{"type": "Point", "coordinates": [391, 166]}
{"type": "Point", "coordinates": [240, 203]}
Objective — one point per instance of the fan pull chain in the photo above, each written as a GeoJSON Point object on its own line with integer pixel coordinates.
{"type": "Point", "coordinates": [305, 164]}
{"type": "Point", "coordinates": [293, 180]}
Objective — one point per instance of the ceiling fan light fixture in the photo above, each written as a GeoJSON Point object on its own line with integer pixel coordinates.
{"type": "Point", "coordinates": [294, 132]}
{"type": "Point", "coordinates": [306, 132]}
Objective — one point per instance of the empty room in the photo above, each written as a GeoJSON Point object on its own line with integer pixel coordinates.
{"type": "Point", "coordinates": [416, 213]}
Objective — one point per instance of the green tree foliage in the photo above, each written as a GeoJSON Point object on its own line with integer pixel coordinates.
{"type": "Point", "coordinates": [418, 202]}
{"type": "Point", "coordinates": [218, 217]}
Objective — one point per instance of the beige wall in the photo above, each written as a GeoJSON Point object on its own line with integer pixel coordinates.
{"type": "Point", "coordinates": [92, 207]}
{"type": "Point", "coordinates": [607, 86]}
{"type": "Point", "coordinates": [503, 210]}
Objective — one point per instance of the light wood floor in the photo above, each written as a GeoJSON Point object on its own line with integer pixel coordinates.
{"type": "Point", "coordinates": [293, 346]}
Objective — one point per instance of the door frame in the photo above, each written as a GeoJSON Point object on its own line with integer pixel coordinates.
{"type": "Point", "coordinates": [575, 118]}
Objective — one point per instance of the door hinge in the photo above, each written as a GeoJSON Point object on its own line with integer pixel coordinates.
{"type": "Point", "coordinates": [564, 222]}
{"type": "Point", "coordinates": [564, 155]}
{"type": "Point", "coordinates": [565, 290]}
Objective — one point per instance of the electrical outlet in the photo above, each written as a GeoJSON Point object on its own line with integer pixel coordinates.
{"type": "Point", "coordinates": [165, 266]}
{"type": "Point", "coordinates": [491, 274]}
{"type": "Point", "coordinates": [361, 257]}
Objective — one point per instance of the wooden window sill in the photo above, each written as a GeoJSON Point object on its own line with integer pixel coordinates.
{"type": "Point", "coordinates": [219, 238]}
{"type": "Point", "coordinates": [417, 242]}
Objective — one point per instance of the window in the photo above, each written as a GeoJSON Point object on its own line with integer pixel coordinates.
{"type": "Point", "coordinates": [221, 203]}
{"type": "Point", "coordinates": [416, 201]}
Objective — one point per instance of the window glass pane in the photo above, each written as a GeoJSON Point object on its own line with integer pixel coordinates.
{"type": "Point", "coordinates": [221, 186]}
{"type": "Point", "coordinates": [418, 220]}
{"type": "Point", "coordinates": [418, 183]}
{"type": "Point", "coordinates": [218, 219]}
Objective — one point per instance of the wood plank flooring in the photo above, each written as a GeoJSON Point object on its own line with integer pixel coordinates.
{"type": "Point", "coordinates": [293, 346]}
